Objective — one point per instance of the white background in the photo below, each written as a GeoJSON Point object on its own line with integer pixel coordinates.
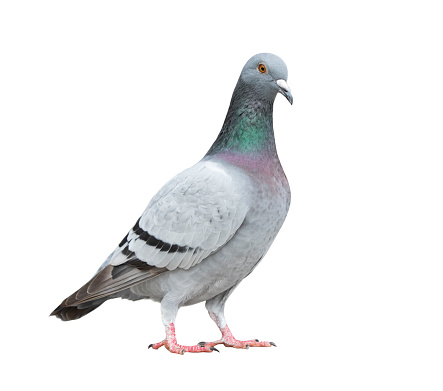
{"type": "Point", "coordinates": [103, 101]}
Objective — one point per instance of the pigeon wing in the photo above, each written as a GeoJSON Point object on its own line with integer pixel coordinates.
{"type": "Point", "coordinates": [191, 217]}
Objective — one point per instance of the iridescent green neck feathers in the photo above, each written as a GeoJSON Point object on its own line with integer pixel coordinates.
{"type": "Point", "coordinates": [248, 125]}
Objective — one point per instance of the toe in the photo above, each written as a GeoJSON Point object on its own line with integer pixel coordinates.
{"type": "Point", "coordinates": [156, 345]}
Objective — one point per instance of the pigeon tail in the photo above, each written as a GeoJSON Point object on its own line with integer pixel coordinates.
{"type": "Point", "coordinates": [66, 313]}
{"type": "Point", "coordinates": [108, 283]}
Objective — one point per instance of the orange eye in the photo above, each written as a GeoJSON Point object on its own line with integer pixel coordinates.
{"type": "Point", "coordinates": [262, 68]}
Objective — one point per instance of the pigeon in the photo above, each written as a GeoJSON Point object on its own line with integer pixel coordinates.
{"type": "Point", "coordinates": [209, 226]}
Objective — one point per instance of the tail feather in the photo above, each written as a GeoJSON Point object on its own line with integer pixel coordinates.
{"type": "Point", "coordinates": [108, 283]}
{"type": "Point", "coordinates": [73, 313]}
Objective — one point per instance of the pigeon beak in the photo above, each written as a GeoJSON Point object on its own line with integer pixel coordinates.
{"type": "Point", "coordinates": [285, 90]}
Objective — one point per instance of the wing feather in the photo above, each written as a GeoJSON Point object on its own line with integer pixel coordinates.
{"type": "Point", "coordinates": [191, 217]}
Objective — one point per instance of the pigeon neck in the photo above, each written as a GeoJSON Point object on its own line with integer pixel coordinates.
{"type": "Point", "coordinates": [248, 126]}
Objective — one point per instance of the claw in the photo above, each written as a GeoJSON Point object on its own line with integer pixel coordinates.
{"type": "Point", "coordinates": [247, 346]}
{"type": "Point", "coordinates": [214, 349]}
{"type": "Point", "coordinates": [150, 346]}
{"type": "Point", "coordinates": [273, 344]}
{"type": "Point", "coordinates": [183, 352]}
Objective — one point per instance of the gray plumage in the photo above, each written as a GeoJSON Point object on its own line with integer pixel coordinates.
{"type": "Point", "coordinates": [209, 226]}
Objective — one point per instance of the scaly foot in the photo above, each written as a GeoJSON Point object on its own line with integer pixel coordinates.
{"type": "Point", "coordinates": [229, 341]}
{"type": "Point", "coordinates": [239, 344]}
{"type": "Point", "coordinates": [170, 343]}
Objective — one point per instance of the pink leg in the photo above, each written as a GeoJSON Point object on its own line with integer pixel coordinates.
{"type": "Point", "coordinates": [229, 341]}
{"type": "Point", "coordinates": [170, 343]}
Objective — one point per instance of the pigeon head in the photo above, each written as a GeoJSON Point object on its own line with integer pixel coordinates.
{"type": "Point", "coordinates": [265, 75]}
{"type": "Point", "coordinates": [248, 128]}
